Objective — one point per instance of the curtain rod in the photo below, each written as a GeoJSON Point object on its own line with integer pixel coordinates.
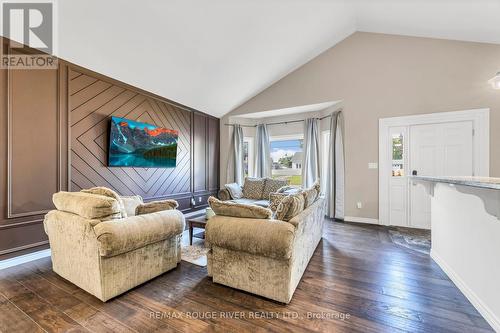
{"type": "Point", "coordinates": [283, 122]}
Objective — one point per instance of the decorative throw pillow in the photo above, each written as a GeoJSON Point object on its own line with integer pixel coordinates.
{"type": "Point", "coordinates": [272, 186]}
{"type": "Point", "coordinates": [87, 205]}
{"type": "Point", "coordinates": [234, 190]}
{"type": "Point", "coordinates": [131, 202]}
{"type": "Point", "coordinates": [290, 207]}
{"type": "Point", "coordinates": [275, 200]}
{"type": "Point", "coordinates": [228, 208]}
{"type": "Point", "coordinates": [253, 188]}
{"type": "Point", "coordinates": [310, 195]}
{"type": "Point", "coordinates": [107, 192]}
{"type": "Point", "coordinates": [156, 206]}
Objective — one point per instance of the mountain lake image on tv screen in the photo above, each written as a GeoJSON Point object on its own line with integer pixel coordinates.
{"type": "Point", "coordinates": [136, 144]}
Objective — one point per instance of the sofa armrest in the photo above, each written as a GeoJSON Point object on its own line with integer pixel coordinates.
{"type": "Point", "coordinates": [268, 238]}
{"type": "Point", "coordinates": [120, 236]}
{"type": "Point", "coordinates": [224, 194]}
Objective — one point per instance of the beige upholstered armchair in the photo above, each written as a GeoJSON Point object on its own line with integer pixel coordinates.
{"type": "Point", "coordinates": [98, 249]}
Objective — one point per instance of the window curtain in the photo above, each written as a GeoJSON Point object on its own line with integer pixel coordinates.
{"type": "Point", "coordinates": [334, 191]}
{"type": "Point", "coordinates": [262, 153]}
{"type": "Point", "coordinates": [310, 159]}
{"type": "Point", "coordinates": [235, 171]}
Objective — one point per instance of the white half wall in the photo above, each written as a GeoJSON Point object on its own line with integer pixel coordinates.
{"type": "Point", "coordinates": [466, 244]}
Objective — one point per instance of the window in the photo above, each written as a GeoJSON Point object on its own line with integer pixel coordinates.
{"type": "Point", "coordinates": [248, 156]}
{"type": "Point", "coordinates": [286, 155]}
{"type": "Point", "coordinates": [397, 155]}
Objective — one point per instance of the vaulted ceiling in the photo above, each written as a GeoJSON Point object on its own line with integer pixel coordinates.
{"type": "Point", "coordinates": [215, 55]}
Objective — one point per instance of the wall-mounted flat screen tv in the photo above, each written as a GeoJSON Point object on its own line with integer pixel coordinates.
{"type": "Point", "coordinates": [135, 144]}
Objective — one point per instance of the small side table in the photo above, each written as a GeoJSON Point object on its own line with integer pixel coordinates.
{"type": "Point", "coordinates": [196, 222]}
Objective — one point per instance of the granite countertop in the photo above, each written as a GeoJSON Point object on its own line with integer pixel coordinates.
{"type": "Point", "coordinates": [483, 182]}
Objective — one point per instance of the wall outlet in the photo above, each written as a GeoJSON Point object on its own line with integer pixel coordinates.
{"type": "Point", "coordinates": [359, 205]}
{"type": "Point", "coordinates": [372, 165]}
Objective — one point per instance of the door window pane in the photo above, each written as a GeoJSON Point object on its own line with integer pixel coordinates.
{"type": "Point", "coordinates": [397, 155]}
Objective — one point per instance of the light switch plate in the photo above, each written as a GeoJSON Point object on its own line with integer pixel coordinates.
{"type": "Point", "coordinates": [372, 165]}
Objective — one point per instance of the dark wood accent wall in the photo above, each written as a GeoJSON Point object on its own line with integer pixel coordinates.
{"type": "Point", "coordinates": [54, 136]}
{"type": "Point", "coordinates": [91, 103]}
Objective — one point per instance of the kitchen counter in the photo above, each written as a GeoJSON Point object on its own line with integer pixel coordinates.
{"type": "Point", "coordinates": [482, 182]}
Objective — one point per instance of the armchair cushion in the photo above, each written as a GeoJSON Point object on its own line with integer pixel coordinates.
{"type": "Point", "coordinates": [269, 238]}
{"type": "Point", "coordinates": [156, 206]}
{"type": "Point", "coordinates": [228, 208]}
{"type": "Point", "coordinates": [87, 205]}
{"type": "Point", "coordinates": [235, 190]}
{"type": "Point", "coordinates": [117, 237]}
{"type": "Point", "coordinates": [100, 190]}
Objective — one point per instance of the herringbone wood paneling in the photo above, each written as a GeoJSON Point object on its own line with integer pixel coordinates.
{"type": "Point", "coordinates": [91, 104]}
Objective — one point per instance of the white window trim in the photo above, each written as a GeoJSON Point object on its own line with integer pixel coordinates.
{"type": "Point", "coordinates": [287, 137]}
{"type": "Point", "coordinates": [481, 126]}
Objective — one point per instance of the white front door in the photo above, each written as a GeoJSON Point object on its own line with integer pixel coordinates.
{"type": "Point", "coordinates": [444, 149]}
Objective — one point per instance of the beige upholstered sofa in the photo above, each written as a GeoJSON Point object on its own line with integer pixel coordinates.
{"type": "Point", "coordinates": [98, 250]}
{"type": "Point", "coordinates": [262, 256]}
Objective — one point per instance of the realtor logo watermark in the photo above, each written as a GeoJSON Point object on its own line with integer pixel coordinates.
{"type": "Point", "coordinates": [30, 28]}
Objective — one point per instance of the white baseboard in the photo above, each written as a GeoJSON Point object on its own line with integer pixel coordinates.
{"type": "Point", "coordinates": [487, 314]}
{"type": "Point", "coordinates": [24, 258]}
{"type": "Point", "coordinates": [360, 219]}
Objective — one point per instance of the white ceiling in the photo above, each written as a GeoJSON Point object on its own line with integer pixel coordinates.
{"type": "Point", "coordinates": [209, 55]}
{"type": "Point", "coordinates": [467, 20]}
{"type": "Point", "coordinates": [215, 55]}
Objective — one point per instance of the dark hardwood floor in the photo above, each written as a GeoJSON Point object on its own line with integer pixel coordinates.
{"type": "Point", "coordinates": [357, 281]}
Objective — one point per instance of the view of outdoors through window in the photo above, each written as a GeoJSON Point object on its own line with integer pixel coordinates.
{"type": "Point", "coordinates": [397, 155]}
{"type": "Point", "coordinates": [287, 160]}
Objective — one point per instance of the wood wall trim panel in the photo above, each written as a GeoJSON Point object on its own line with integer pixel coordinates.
{"type": "Point", "coordinates": [213, 154]}
{"type": "Point", "coordinates": [13, 97]}
{"type": "Point", "coordinates": [20, 224]}
{"type": "Point", "coordinates": [199, 153]}
{"type": "Point", "coordinates": [21, 237]}
{"type": "Point", "coordinates": [23, 247]}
